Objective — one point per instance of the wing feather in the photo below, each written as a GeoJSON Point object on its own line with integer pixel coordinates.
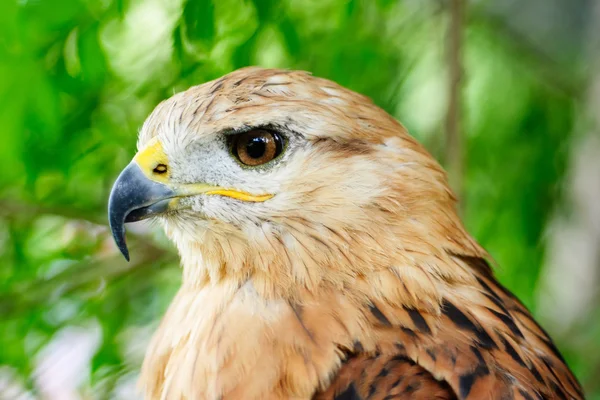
{"type": "Point", "coordinates": [482, 344]}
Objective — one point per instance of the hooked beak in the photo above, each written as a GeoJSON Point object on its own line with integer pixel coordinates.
{"type": "Point", "coordinates": [135, 197]}
{"type": "Point", "coordinates": [141, 192]}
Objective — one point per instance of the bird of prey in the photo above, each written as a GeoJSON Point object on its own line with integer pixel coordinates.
{"type": "Point", "coordinates": [322, 255]}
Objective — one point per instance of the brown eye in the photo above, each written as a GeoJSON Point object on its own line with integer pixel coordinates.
{"type": "Point", "coordinates": [256, 147]}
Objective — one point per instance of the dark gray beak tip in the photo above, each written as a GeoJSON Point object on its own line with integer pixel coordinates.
{"type": "Point", "coordinates": [125, 251]}
{"type": "Point", "coordinates": [116, 220]}
{"type": "Point", "coordinates": [120, 240]}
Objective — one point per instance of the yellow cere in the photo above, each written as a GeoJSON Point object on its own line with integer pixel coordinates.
{"type": "Point", "coordinates": [153, 155]}
{"type": "Point", "coordinates": [150, 157]}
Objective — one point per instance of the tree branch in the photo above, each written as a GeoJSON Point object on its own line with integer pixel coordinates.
{"type": "Point", "coordinates": [454, 145]}
{"type": "Point", "coordinates": [78, 275]}
{"type": "Point", "coordinates": [10, 208]}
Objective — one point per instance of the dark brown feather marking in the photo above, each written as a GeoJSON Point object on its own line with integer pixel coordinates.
{"type": "Point", "coordinates": [552, 346]}
{"type": "Point", "coordinates": [349, 394]}
{"type": "Point", "coordinates": [216, 86]}
{"type": "Point", "coordinates": [418, 320]}
{"type": "Point", "coordinates": [536, 374]}
{"type": "Point", "coordinates": [478, 355]}
{"type": "Point", "coordinates": [379, 315]}
{"type": "Point", "coordinates": [431, 354]}
{"type": "Point", "coordinates": [494, 299]}
{"type": "Point", "coordinates": [557, 390]}
{"type": "Point", "coordinates": [412, 387]}
{"type": "Point", "coordinates": [509, 322]}
{"type": "Point", "coordinates": [463, 322]}
{"type": "Point", "coordinates": [358, 347]}
{"type": "Point", "coordinates": [477, 263]}
{"type": "Point", "coordinates": [409, 332]}
{"type": "Point", "coordinates": [525, 395]}
{"type": "Point", "coordinates": [512, 352]}
{"type": "Point", "coordinates": [550, 367]}
{"type": "Point", "coordinates": [488, 290]}
{"type": "Point", "coordinates": [297, 308]}
{"type": "Point", "coordinates": [467, 381]}
{"type": "Point", "coordinates": [372, 389]}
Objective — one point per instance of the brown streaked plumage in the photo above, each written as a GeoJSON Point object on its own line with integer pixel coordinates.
{"type": "Point", "coordinates": [338, 271]}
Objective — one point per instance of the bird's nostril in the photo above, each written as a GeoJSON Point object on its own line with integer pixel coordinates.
{"type": "Point", "coordinates": [160, 169]}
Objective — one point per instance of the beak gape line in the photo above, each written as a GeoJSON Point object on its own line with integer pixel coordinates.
{"type": "Point", "coordinates": [135, 197]}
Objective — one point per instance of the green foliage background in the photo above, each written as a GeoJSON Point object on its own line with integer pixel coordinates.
{"type": "Point", "coordinates": [78, 77]}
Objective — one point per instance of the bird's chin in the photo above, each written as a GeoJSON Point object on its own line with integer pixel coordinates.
{"type": "Point", "coordinates": [184, 216]}
{"type": "Point", "coordinates": [199, 218]}
{"type": "Point", "coordinates": [191, 207]}
{"type": "Point", "coordinates": [184, 226]}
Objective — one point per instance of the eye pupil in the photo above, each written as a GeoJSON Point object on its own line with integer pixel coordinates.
{"type": "Point", "coordinates": [256, 147]}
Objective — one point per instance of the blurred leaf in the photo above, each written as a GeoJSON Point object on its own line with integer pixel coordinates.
{"type": "Point", "coordinates": [199, 17]}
